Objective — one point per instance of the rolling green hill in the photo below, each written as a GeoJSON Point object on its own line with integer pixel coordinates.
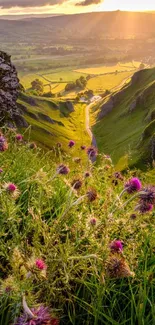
{"type": "Point", "coordinates": [54, 121]}
{"type": "Point", "coordinates": [124, 122]}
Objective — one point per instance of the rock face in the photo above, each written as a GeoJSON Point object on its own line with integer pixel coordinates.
{"type": "Point", "coordinates": [9, 85]}
{"type": "Point", "coordinates": [9, 90]}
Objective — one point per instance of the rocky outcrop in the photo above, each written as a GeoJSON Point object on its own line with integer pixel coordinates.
{"type": "Point", "coordinates": [9, 87]}
{"type": "Point", "coordinates": [70, 106]}
{"type": "Point", "coordinates": [106, 108]}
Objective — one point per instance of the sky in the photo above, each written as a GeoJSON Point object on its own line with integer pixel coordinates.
{"type": "Point", "coordinates": [72, 6]}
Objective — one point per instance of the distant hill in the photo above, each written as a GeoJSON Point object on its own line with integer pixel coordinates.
{"type": "Point", "coordinates": [93, 26]}
{"type": "Point", "coordinates": [124, 124]}
{"type": "Point", "coordinates": [27, 16]}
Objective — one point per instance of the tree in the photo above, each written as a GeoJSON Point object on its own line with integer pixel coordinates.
{"type": "Point", "coordinates": [37, 85]}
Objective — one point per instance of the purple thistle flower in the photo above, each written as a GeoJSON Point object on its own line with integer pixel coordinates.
{"type": "Point", "coordinates": [87, 174]}
{"type": "Point", "coordinates": [19, 137]}
{"type": "Point", "coordinates": [11, 187]}
{"type": "Point", "coordinates": [145, 207]}
{"type": "Point", "coordinates": [3, 144]}
{"type": "Point", "coordinates": [91, 194]}
{"type": "Point", "coordinates": [116, 246]}
{"type": "Point", "coordinates": [92, 152]}
{"type": "Point", "coordinates": [76, 184]}
{"type": "Point", "coordinates": [40, 264]}
{"type": "Point", "coordinates": [148, 195]}
{"type": "Point", "coordinates": [41, 317]}
{"type": "Point", "coordinates": [93, 221]}
{"type": "Point", "coordinates": [134, 185]}
{"type": "Point", "coordinates": [83, 147]}
{"type": "Point", "coordinates": [63, 170]}
{"type": "Point", "coordinates": [71, 143]}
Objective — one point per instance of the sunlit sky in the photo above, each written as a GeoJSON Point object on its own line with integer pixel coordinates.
{"type": "Point", "coordinates": [72, 6]}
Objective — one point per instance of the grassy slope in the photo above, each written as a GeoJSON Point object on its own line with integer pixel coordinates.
{"type": "Point", "coordinates": [47, 134]}
{"type": "Point", "coordinates": [120, 132]}
{"type": "Point", "coordinates": [100, 83]}
{"type": "Point", "coordinates": [40, 224]}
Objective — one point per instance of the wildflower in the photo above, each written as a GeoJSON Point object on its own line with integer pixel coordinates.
{"type": "Point", "coordinates": [40, 316]}
{"type": "Point", "coordinates": [71, 143]}
{"type": "Point", "coordinates": [134, 185]}
{"type": "Point", "coordinates": [32, 145]}
{"type": "Point", "coordinates": [117, 267]}
{"type": "Point", "coordinates": [91, 194]}
{"type": "Point", "coordinates": [83, 147]}
{"type": "Point", "coordinates": [148, 195]}
{"type": "Point", "coordinates": [76, 184]}
{"type": "Point", "coordinates": [3, 143]}
{"type": "Point", "coordinates": [93, 221]}
{"type": "Point", "coordinates": [63, 169]}
{"type": "Point", "coordinates": [145, 207]}
{"type": "Point", "coordinates": [12, 189]}
{"type": "Point", "coordinates": [116, 246]}
{"type": "Point", "coordinates": [1, 170]}
{"type": "Point", "coordinates": [87, 174]}
{"type": "Point", "coordinates": [40, 264]}
{"type": "Point", "coordinates": [19, 137]}
{"type": "Point", "coordinates": [92, 152]}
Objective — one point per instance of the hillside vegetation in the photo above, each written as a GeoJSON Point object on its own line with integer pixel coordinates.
{"type": "Point", "coordinates": [124, 123]}
{"type": "Point", "coordinates": [54, 121]}
{"type": "Point", "coordinates": [75, 238]}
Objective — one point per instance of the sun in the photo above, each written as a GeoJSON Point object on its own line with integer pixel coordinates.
{"type": "Point", "coordinates": [127, 5]}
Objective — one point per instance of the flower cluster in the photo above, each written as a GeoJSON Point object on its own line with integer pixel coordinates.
{"type": "Point", "coordinates": [3, 143]}
{"type": "Point", "coordinates": [40, 316]}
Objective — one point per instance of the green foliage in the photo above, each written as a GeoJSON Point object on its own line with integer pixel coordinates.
{"type": "Point", "coordinates": [48, 219]}
{"type": "Point", "coordinates": [37, 85]}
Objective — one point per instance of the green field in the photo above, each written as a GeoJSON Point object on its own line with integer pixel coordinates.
{"type": "Point", "coordinates": [102, 69]}
{"type": "Point", "coordinates": [100, 83]}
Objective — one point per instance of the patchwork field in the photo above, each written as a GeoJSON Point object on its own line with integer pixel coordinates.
{"type": "Point", "coordinates": [102, 69]}
{"type": "Point", "coordinates": [100, 83]}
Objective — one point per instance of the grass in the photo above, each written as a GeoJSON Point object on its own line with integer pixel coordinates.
{"type": "Point", "coordinates": [50, 220]}
{"type": "Point", "coordinates": [67, 125]}
{"type": "Point", "coordinates": [120, 132]}
{"type": "Point", "coordinates": [100, 83]}
{"type": "Point", "coordinates": [53, 76]}
{"type": "Point", "coordinates": [102, 69]}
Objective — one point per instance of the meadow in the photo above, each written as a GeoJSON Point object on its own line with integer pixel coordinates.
{"type": "Point", "coordinates": [102, 77]}
{"type": "Point", "coordinates": [102, 69]}
{"type": "Point", "coordinates": [71, 242]}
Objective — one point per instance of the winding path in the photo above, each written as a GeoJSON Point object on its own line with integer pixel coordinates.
{"type": "Point", "coordinates": [87, 122]}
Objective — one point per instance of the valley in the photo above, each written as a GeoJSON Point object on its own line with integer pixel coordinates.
{"type": "Point", "coordinates": [77, 165]}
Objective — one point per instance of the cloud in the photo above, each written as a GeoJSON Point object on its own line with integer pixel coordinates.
{"type": "Point", "coordinates": [88, 2]}
{"type": "Point", "coordinates": [6, 4]}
